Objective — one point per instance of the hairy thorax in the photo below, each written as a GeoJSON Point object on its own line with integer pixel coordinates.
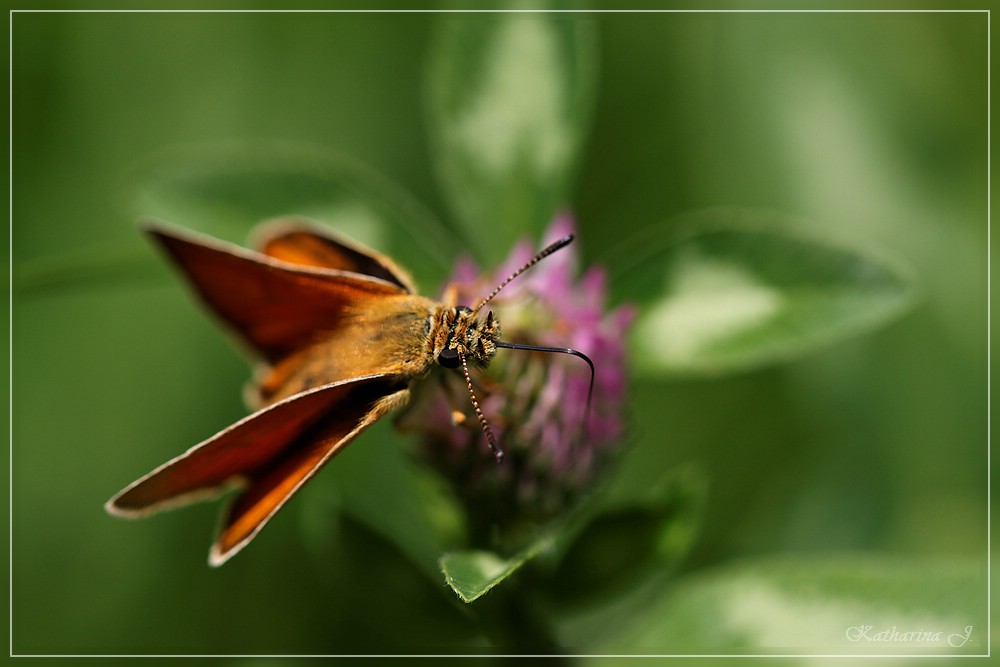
{"type": "Point", "coordinates": [403, 335]}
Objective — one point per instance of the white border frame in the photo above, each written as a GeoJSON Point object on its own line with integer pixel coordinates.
{"type": "Point", "coordinates": [10, 320]}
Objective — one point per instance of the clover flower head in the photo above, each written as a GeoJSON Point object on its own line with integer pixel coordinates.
{"type": "Point", "coordinates": [556, 447]}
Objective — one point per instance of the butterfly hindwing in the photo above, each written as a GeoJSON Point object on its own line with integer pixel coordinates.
{"type": "Point", "coordinates": [299, 241]}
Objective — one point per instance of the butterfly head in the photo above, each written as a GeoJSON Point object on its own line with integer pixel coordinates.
{"type": "Point", "coordinates": [475, 339]}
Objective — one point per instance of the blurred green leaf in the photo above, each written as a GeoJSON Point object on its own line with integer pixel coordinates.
{"type": "Point", "coordinates": [472, 573]}
{"type": "Point", "coordinates": [736, 292]}
{"type": "Point", "coordinates": [86, 268]}
{"type": "Point", "coordinates": [226, 191]}
{"type": "Point", "coordinates": [623, 542]}
{"type": "Point", "coordinates": [355, 549]}
{"type": "Point", "coordinates": [418, 517]}
{"type": "Point", "coordinates": [840, 605]}
{"type": "Point", "coordinates": [509, 100]}
{"type": "Point", "coordinates": [598, 547]}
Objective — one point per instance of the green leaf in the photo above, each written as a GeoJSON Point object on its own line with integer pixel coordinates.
{"type": "Point", "coordinates": [509, 99]}
{"type": "Point", "coordinates": [597, 547]}
{"type": "Point", "coordinates": [107, 263]}
{"type": "Point", "coordinates": [737, 291]}
{"type": "Point", "coordinates": [225, 191]}
{"type": "Point", "coordinates": [472, 573]}
{"type": "Point", "coordinates": [840, 605]}
{"type": "Point", "coordinates": [623, 542]}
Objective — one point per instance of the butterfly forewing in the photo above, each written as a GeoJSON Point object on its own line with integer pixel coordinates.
{"type": "Point", "coordinates": [271, 487]}
{"type": "Point", "coordinates": [276, 307]}
{"type": "Point", "coordinates": [252, 444]}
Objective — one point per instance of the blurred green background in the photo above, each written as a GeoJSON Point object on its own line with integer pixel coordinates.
{"type": "Point", "coordinates": [872, 126]}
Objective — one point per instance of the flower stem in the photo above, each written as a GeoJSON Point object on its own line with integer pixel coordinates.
{"type": "Point", "coordinates": [512, 622]}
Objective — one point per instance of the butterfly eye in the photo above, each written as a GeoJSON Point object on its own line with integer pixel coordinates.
{"type": "Point", "coordinates": [449, 358]}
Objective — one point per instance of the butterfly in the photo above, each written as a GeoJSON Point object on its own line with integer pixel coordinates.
{"type": "Point", "coordinates": [342, 337]}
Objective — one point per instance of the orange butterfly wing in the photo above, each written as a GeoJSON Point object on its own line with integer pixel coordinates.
{"type": "Point", "coordinates": [316, 310]}
{"type": "Point", "coordinates": [270, 453]}
{"type": "Point", "coordinates": [274, 306]}
{"type": "Point", "coordinates": [301, 242]}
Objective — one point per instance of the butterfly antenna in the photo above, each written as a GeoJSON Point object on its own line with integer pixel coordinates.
{"type": "Point", "coordinates": [559, 350]}
{"type": "Point", "coordinates": [494, 447]}
{"type": "Point", "coordinates": [542, 254]}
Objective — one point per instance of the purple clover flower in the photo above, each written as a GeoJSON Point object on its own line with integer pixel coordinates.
{"type": "Point", "coordinates": [536, 402]}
